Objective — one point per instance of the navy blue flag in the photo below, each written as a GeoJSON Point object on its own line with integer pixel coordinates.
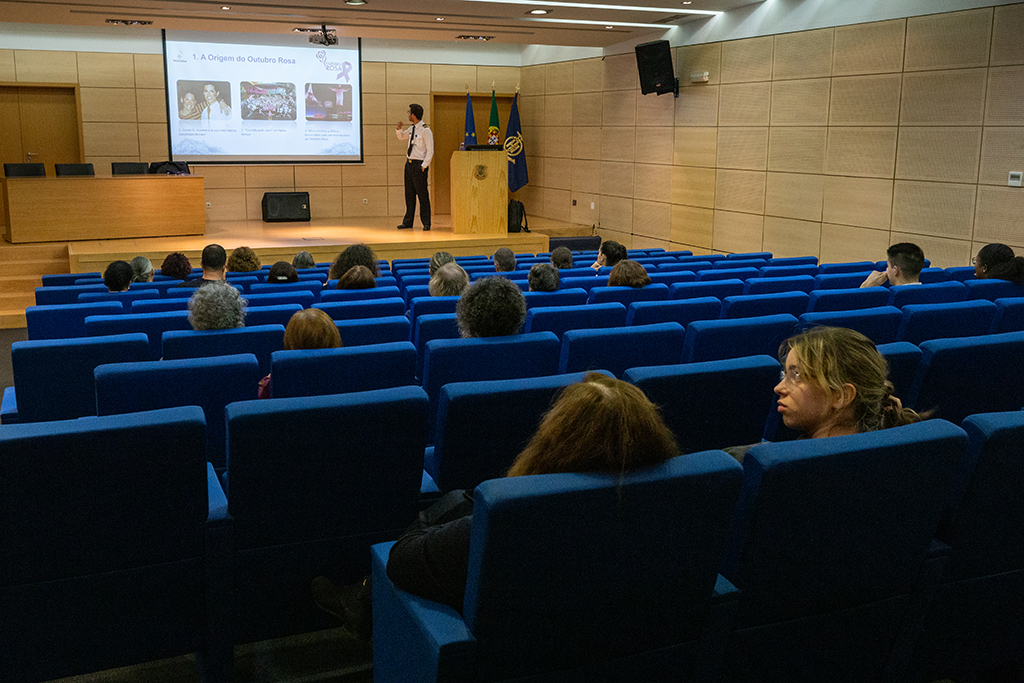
{"type": "Point", "coordinates": [470, 138]}
{"type": "Point", "coordinates": [514, 149]}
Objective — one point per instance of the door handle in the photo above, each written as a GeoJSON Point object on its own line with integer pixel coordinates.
{"type": "Point", "coordinates": [29, 155]}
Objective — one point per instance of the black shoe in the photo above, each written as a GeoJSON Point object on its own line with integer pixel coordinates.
{"type": "Point", "coordinates": [426, 228]}
{"type": "Point", "coordinates": [351, 604]}
{"type": "Point", "coordinates": [405, 227]}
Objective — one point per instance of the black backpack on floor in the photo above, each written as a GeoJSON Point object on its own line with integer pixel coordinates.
{"type": "Point", "coordinates": [517, 217]}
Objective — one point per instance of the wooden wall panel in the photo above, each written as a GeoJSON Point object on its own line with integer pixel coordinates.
{"type": "Point", "coordinates": [374, 76]}
{"type": "Point", "coordinates": [501, 78]}
{"type": "Point", "coordinates": [652, 183]}
{"type": "Point", "coordinates": [557, 141]}
{"type": "Point", "coordinates": [740, 191]}
{"type": "Point", "coordinates": [692, 225]}
{"type": "Point", "coordinates": [558, 78]}
{"type": "Point", "coordinates": [408, 78]}
{"type": "Point", "coordinates": [936, 209]}
{"type": "Point", "coordinates": [697, 106]}
{"type": "Point", "coordinates": [225, 205]}
{"type": "Point", "coordinates": [111, 139]}
{"type": "Point", "coordinates": [617, 214]}
{"type": "Point", "coordinates": [1005, 102]}
{"type": "Point", "coordinates": [800, 103]}
{"type": "Point", "coordinates": [1007, 28]}
{"type": "Point", "coordinates": [655, 110]}
{"type": "Point", "coordinates": [376, 139]}
{"type": "Point", "coordinates": [586, 176]}
{"type": "Point", "coordinates": [454, 78]}
{"type": "Point", "coordinates": [873, 48]}
{"type": "Point", "coordinates": [619, 108]}
{"type": "Point", "coordinates": [693, 186]}
{"type": "Point", "coordinates": [865, 100]}
{"type": "Point", "coordinates": [108, 104]}
{"type": "Point", "coordinates": [558, 173]}
{"type": "Point", "coordinates": [557, 204]}
{"type": "Point", "coordinates": [153, 141]}
{"type": "Point", "coordinates": [695, 146]}
{"type": "Point", "coordinates": [798, 150]}
{"type": "Point", "coordinates": [586, 142]}
{"type": "Point", "coordinates": [221, 177]}
{"type": "Point", "coordinates": [745, 104]}
{"type": "Point", "coordinates": [151, 105]}
{"type": "Point", "coordinates": [618, 144]}
{"type": "Point", "coordinates": [620, 72]}
{"type": "Point", "coordinates": [794, 195]}
{"type": "Point", "coordinates": [807, 54]}
{"type": "Point", "coordinates": [848, 243]}
{"type": "Point", "coordinates": [325, 202]}
{"type": "Point", "coordinates": [533, 80]}
{"type": "Point", "coordinates": [318, 175]}
{"type": "Point", "coordinates": [865, 152]}
{"type": "Point", "coordinates": [398, 105]}
{"type": "Point", "coordinates": [948, 41]}
{"type": "Point", "coordinates": [943, 253]}
{"type": "Point", "coordinates": [376, 201]}
{"type": "Point", "coordinates": [617, 179]}
{"type": "Point", "coordinates": [586, 109]}
{"type": "Point", "coordinates": [254, 202]}
{"type": "Point", "coordinates": [623, 238]}
{"type": "Point", "coordinates": [998, 217]}
{"type": "Point", "coordinates": [947, 154]}
{"type": "Point", "coordinates": [787, 237]}
{"type": "Point", "coordinates": [652, 219]}
{"type": "Point", "coordinates": [557, 110]}
{"type": "Point", "coordinates": [1002, 151]}
{"type": "Point", "coordinates": [737, 232]}
{"type": "Point", "coordinates": [861, 202]}
{"type": "Point", "coordinates": [691, 58]}
{"type": "Point", "coordinates": [654, 145]}
{"type": "Point", "coordinates": [7, 70]}
{"type": "Point", "coordinates": [581, 213]}
{"type": "Point", "coordinates": [641, 242]}
{"type": "Point", "coordinates": [744, 148]}
{"type": "Point", "coordinates": [106, 70]}
{"type": "Point", "coordinates": [45, 66]}
{"type": "Point", "coordinates": [943, 98]}
{"type": "Point", "coordinates": [747, 60]}
{"type": "Point", "coordinates": [587, 75]}
{"type": "Point", "coordinates": [374, 171]}
{"type": "Point", "coordinates": [375, 109]}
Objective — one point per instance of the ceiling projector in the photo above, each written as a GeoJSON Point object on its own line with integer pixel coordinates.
{"type": "Point", "coordinates": [323, 36]}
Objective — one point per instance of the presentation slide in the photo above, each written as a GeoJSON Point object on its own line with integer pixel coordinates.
{"type": "Point", "coordinates": [251, 98]}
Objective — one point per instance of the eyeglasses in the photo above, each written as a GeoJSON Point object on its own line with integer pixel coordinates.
{"type": "Point", "coordinates": [974, 261]}
{"type": "Point", "coordinates": [790, 377]}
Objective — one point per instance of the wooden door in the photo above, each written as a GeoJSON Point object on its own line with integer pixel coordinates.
{"type": "Point", "coordinates": [42, 121]}
{"type": "Point", "coordinates": [449, 126]}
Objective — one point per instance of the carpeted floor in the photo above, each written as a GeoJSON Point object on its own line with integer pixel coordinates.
{"type": "Point", "coordinates": [8, 337]}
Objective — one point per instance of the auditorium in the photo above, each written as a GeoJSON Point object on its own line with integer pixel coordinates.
{"type": "Point", "coordinates": [765, 423]}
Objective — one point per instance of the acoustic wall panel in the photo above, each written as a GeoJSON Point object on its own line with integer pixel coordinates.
{"type": "Point", "coordinates": [947, 154]}
{"type": "Point", "coordinates": [618, 143]}
{"type": "Point", "coordinates": [807, 54]}
{"type": "Point", "coordinates": [740, 191]}
{"type": "Point", "coordinates": [698, 107]}
{"type": "Point", "coordinates": [849, 243]}
{"type": "Point", "coordinates": [948, 41]}
{"type": "Point", "coordinates": [619, 108]}
{"type": "Point", "coordinates": [864, 152]}
{"type": "Point", "coordinates": [691, 58]}
{"type": "Point", "coordinates": [798, 150]}
{"type": "Point", "coordinates": [801, 102]}
{"type": "Point", "coordinates": [587, 109]}
{"type": "Point", "coordinates": [1002, 150]}
{"type": "Point", "coordinates": [558, 78]}
{"type": "Point", "coordinates": [586, 142]}
{"type": "Point", "coordinates": [652, 219]}
{"type": "Point", "coordinates": [652, 183]}
{"type": "Point", "coordinates": [860, 202]}
{"type": "Point", "coordinates": [943, 253]}
{"type": "Point", "coordinates": [873, 48]}
{"type": "Point", "coordinates": [557, 110]}
{"type": "Point", "coordinates": [865, 100]}
{"type": "Point", "coordinates": [743, 148]}
{"type": "Point", "coordinates": [693, 186]}
{"type": "Point", "coordinates": [654, 146]}
{"type": "Point", "coordinates": [106, 70]}
{"type": "Point", "coordinates": [998, 216]}
{"type": "Point", "coordinates": [747, 60]}
{"type": "Point", "coordinates": [943, 98]}
{"type": "Point", "coordinates": [620, 72]}
{"type": "Point", "coordinates": [695, 146]}
{"type": "Point", "coordinates": [655, 110]}
{"type": "Point", "coordinates": [617, 179]}
{"type": "Point", "coordinates": [586, 176]}
{"type": "Point", "coordinates": [737, 232]}
{"type": "Point", "coordinates": [692, 225]}
{"type": "Point", "coordinates": [794, 195]}
{"type": "Point", "coordinates": [587, 75]}
{"type": "Point", "coordinates": [787, 237]}
{"type": "Point", "coordinates": [745, 104]}
{"type": "Point", "coordinates": [1005, 101]}
{"type": "Point", "coordinates": [937, 209]}
{"type": "Point", "coordinates": [1007, 28]}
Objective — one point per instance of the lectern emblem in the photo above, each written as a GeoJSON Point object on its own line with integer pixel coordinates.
{"type": "Point", "coordinates": [480, 172]}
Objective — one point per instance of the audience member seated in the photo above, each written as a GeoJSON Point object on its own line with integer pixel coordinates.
{"type": "Point", "coordinates": [504, 260]}
{"type": "Point", "coordinates": [627, 273]}
{"type": "Point", "coordinates": [561, 258]}
{"type": "Point", "coordinates": [142, 269]}
{"type": "Point", "coordinates": [904, 263]}
{"type": "Point", "coordinates": [303, 260]}
{"type": "Point", "coordinates": [491, 307]}
{"type": "Point", "coordinates": [439, 259]}
{"type": "Point", "coordinates": [309, 328]}
{"type": "Point", "coordinates": [543, 277]}
{"type": "Point", "coordinates": [357, 277]}
{"type": "Point", "coordinates": [118, 276]}
{"type": "Point", "coordinates": [997, 261]}
{"type": "Point", "coordinates": [282, 272]}
{"type": "Point", "coordinates": [216, 306]}
{"type": "Point", "coordinates": [215, 265]}
{"type": "Point", "coordinates": [243, 260]}
{"type": "Point", "coordinates": [611, 253]}
{"type": "Point", "coordinates": [598, 425]}
{"type": "Point", "coordinates": [356, 255]}
{"type": "Point", "coordinates": [449, 280]}
{"type": "Point", "coordinates": [176, 266]}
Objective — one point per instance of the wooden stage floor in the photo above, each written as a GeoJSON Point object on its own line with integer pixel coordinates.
{"type": "Point", "coordinates": [324, 238]}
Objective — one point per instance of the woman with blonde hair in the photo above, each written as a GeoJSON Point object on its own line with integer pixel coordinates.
{"type": "Point", "coordinates": [243, 260]}
{"type": "Point", "coordinates": [309, 328]}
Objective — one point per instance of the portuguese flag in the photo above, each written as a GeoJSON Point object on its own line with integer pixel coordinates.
{"type": "Point", "coordinates": [492, 127]}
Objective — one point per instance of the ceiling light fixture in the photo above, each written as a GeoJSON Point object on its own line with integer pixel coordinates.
{"type": "Point", "coordinates": [588, 5]}
{"type": "Point", "coordinates": [355, 2]}
{"type": "Point", "coordinates": [587, 22]}
{"type": "Point", "coordinates": [474, 38]}
{"type": "Point", "coordinates": [225, 7]}
{"type": "Point", "coordinates": [129, 22]}
{"type": "Point", "coordinates": [439, 19]}
{"type": "Point", "coordinates": [539, 11]}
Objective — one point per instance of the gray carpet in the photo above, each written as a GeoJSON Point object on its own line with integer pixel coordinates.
{"type": "Point", "coordinates": [8, 337]}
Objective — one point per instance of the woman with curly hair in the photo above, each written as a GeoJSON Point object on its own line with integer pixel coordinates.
{"type": "Point", "coordinates": [216, 306]}
{"type": "Point", "coordinates": [356, 255]}
{"type": "Point", "coordinates": [176, 266]}
{"type": "Point", "coordinates": [243, 260]}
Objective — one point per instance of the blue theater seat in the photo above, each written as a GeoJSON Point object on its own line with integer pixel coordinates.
{"type": "Point", "coordinates": [722, 339]}
{"type": "Point", "coordinates": [770, 285]}
{"type": "Point", "coordinates": [1009, 315]}
{"type": "Point", "coordinates": [691, 266]}
{"type": "Point", "coordinates": [590, 618]}
{"type": "Point", "coordinates": [825, 300]}
{"type": "Point", "coordinates": [319, 372]}
{"type": "Point", "coordinates": [941, 321]}
{"type": "Point", "coordinates": [726, 274]}
{"type": "Point", "coordinates": [586, 282]}
{"type": "Point", "coordinates": [210, 383]}
{"type": "Point", "coordinates": [849, 267]}
{"type": "Point", "coordinates": [560, 319]}
{"type": "Point", "coordinates": [66, 279]}
{"type": "Point", "coordinates": [752, 305]}
{"type": "Point", "coordinates": [840, 280]}
{"type": "Point", "coordinates": [314, 287]}
{"type": "Point", "coordinates": [65, 321]}
{"type": "Point", "coordinates": [793, 261]}
{"type": "Point", "coordinates": [153, 325]}
{"type": "Point", "coordinates": [303, 297]}
{"type": "Point", "coordinates": [271, 315]}
{"type": "Point", "coordinates": [682, 311]}
{"type": "Point", "coordinates": [740, 263]}
{"type": "Point", "coordinates": [126, 298]}
{"type": "Point", "coordinates": [432, 326]}
{"type": "Point", "coordinates": [159, 305]}
{"type": "Point", "coordinates": [765, 255]}
{"type": "Point", "coordinates": [718, 289]}
{"type": "Point", "coordinates": [627, 295]}
{"type": "Point", "coordinates": [362, 331]}
{"type": "Point", "coordinates": [415, 292]}
{"type": "Point", "coordinates": [368, 308]}
{"type": "Point", "coordinates": [359, 294]}
{"type": "Point", "coordinates": [930, 276]}
{"type": "Point", "coordinates": [55, 295]}
{"type": "Point", "coordinates": [563, 297]}
{"type": "Point", "coordinates": [880, 325]}
{"type": "Point", "coordinates": [431, 305]}
{"type": "Point", "coordinates": [903, 359]}
{"type": "Point", "coordinates": [960, 273]}
{"type": "Point", "coordinates": [670, 277]}
{"type": "Point", "coordinates": [937, 293]}
{"type": "Point", "coordinates": [993, 289]}
{"type": "Point", "coordinates": [260, 341]}
{"type": "Point", "coordinates": [620, 348]}
{"type": "Point", "coordinates": [809, 270]}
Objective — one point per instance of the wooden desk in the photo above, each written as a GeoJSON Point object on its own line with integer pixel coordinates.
{"type": "Point", "coordinates": [479, 192]}
{"type": "Point", "coordinates": [77, 208]}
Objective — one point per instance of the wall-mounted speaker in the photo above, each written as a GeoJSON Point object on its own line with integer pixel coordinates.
{"type": "Point", "coordinates": [654, 63]}
{"type": "Point", "coordinates": [285, 206]}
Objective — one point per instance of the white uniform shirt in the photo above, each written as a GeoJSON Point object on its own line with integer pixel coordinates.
{"type": "Point", "coordinates": [422, 143]}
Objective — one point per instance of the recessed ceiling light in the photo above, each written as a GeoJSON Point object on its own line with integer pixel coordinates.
{"type": "Point", "coordinates": [355, 2]}
{"type": "Point", "coordinates": [586, 22]}
{"type": "Point", "coordinates": [609, 27]}
{"type": "Point", "coordinates": [439, 19]}
{"type": "Point", "coordinates": [225, 7]}
{"type": "Point", "coordinates": [540, 11]}
{"type": "Point", "coordinates": [687, 2]}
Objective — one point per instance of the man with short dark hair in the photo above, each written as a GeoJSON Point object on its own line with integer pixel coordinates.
{"type": "Point", "coordinates": [504, 260]}
{"type": "Point", "coordinates": [561, 258]}
{"type": "Point", "coordinates": [215, 266]}
{"type": "Point", "coordinates": [491, 307]}
{"type": "Point", "coordinates": [118, 276]}
{"type": "Point", "coordinates": [417, 161]}
{"type": "Point", "coordinates": [903, 267]}
{"type": "Point", "coordinates": [543, 277]}
{"type": "Point", "coordinates": [611, 253]}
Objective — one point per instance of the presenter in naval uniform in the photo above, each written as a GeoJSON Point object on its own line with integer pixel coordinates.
{"type": "Point", "coordinates": [418, 156]}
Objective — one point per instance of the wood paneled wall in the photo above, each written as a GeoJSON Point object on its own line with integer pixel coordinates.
{"type": "Point", "coordinates": [834, 142]}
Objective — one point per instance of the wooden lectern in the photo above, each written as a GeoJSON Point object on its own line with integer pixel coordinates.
{"type": "Point", "coordinates": [479, 192]}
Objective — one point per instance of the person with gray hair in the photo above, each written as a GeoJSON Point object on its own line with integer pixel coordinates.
{"type": "Point", "coordinates": [142, 269]}
{"type": "Point", "coordinates": [216, 306]}
{"type": "Point", "coordinates": [449, 280]}
{"type": "Point", "coordinates": [504, 260]}
{"type": "Point", "coordinates": [543, 277]}
{"type": "Point", "coordinates": [303, 260]}
{"type": "Point", "coordinates": [439, 259]}
{"type": "Point", "coordinates": [491, 307]}
{"type": "Point", "coordinates": [561, 258]}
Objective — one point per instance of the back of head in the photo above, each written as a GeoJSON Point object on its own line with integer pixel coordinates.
{"type": "Point", "coordinates": [599, 425]}
{"type": "Point", "coordinates": [282, 272]}
{"type": "Point", "coordinates": [311, 328]}
{"type": "Point", "coordinates": [216, 306]}
{"type": "Point", "coordinates": [118, 276]}
{"type": "Point", "coordinates": [357, 277]}
{"type": "Point", "coordinates": [439, 259]}
{"type": "Point", "coordinates": [142, 269]}
{"type": "Point", "coordinates": [243, 260]}
{"type": "Point", "coordinates": [908, 257]}
{"type": "Point", "coordinates": [491, 307]}
{"type": "Point", "coordinates": [449, 280]}
{"type": "Point", "coordinates": [543, 277]}
{"type": "Point", "coordinates": [304, 260]}
{"type": "Point", "coordinates": [214, 257]}
{"type": "Point", "coordinates": [627, 273]}
{"type": "Point", "coordinates": [561, 258]}
{"type": "Point", "coordinates": [355, 255]}
{"type": "Point", "coordinates": [504, 260]}
{"type": "Point", "coordinates": [831, 357]}
{"type": "Point", "coordinates": [177, 266]}
{"type": "Point", "coordinates": [613, 252]}
{"type": "Point", "coordinates": [997, 261]}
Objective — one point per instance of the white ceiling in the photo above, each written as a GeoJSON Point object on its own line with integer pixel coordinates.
{"type": "Point", "coordinates": [389, 19]}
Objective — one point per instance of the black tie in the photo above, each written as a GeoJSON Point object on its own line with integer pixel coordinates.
{"type": "Point", "coordinates": [412, 137]}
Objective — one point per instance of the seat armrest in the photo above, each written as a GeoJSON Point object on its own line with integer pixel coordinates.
{"type": "Point", "coordinates": [217, 500]}
{"type": "Point", "coordinates": [723, 607]}
{"type": "Point", "coordinates": [416, 640]}
{"type": "Point", "coordinates": [216, 655]}
{"type": "Point", "coordinates": [9, 408]}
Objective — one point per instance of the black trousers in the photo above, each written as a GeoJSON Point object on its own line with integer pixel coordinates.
{"type": "Point", "coordinates": [416, 186]}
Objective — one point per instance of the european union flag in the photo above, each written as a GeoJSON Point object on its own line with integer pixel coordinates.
{"type": "Point", "coordinates": [470, 138]}
{"type": "Point", "coordinates": [514, 149]}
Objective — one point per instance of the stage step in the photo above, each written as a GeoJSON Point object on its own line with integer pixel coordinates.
{"type": "Point", "coordinates": [30, 252]}
{"type": "Point", "coordinates": [10, 320]}
{"type": "Point", "coordinates": [19, 284]}
{"type": "Point", "coordinates": [21, 271]}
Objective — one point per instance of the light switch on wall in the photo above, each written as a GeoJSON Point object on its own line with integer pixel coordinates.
{"type": "Point", "coordinates": [1015, 178]}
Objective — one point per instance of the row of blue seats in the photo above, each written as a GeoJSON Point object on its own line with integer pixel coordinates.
{"type": "Point", "coordinates": [814, 560]}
